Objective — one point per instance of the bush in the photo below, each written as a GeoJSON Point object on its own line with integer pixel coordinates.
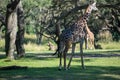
{"type": "Point", "coordinates": [105, 36]}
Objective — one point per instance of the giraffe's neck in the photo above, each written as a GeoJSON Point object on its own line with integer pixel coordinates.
{"type": "Point", "coordinates": [88, 30]}
{"type": "Point", "coordinates": [87, 13]}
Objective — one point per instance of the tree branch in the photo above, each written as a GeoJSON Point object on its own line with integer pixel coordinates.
{"type": "Point", "coordinates": [63, 15]}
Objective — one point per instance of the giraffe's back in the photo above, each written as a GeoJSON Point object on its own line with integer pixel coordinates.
{"type": "Point", "coordinates": [74, 34]}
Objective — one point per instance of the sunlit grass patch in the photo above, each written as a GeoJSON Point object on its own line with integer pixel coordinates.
{"type": "Point", "coordinates": [2, 44]}
{"type": "Point", "coordinates": [30, 43]}
{"type": "Point", "coordinates": [112, 61]}
{"type": "Point", "coordinates": [110, 45]}
{"type": "Point", "coordinates": [30, 38]}
{"type": "Point", "coordinates": [34, 47]}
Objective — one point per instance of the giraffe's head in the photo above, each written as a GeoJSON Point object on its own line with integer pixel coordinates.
{"type": "Point", "coordinates": [93, 6]}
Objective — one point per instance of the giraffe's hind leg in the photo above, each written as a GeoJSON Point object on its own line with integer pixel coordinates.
{"type": "Point", "coordinates": [67, 46]}
{"type": "Point", "coordinates": [60, 52]}
{"type": "Point", "coordinates": [60, 64]}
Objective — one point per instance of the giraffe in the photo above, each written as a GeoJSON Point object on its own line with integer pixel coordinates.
{"type": "Point", "coordinates": [72, 35]}
{"type": "Point", "coordinates": [89, 37]}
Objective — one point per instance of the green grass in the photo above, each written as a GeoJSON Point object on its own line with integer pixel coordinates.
{"type": "Point", "coordinates": [46, 68]}
{"type": "Point", "coordinates": [34, 47]}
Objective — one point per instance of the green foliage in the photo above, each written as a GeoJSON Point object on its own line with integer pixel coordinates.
{"type": "Point", "coordinates": [39, 14]}
{"type": "Point", "coordinates": [40, 3]}
{"type": "Point", "coordinates": [33, 12]}
{"type": "Point", "coordinates": [3, 5]}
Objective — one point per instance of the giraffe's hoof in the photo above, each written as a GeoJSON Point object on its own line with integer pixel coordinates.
{"type": "Point", "coordinates": [83, 67]}
{"type": "Point", "coordinates": [68, 68]}
{"type": "Point", "coordinates": [65, 69]}
{"type": "Point", "coordinates": [59, 69]}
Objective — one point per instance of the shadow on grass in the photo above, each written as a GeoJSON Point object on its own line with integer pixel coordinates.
{"type": "Point", "coordinates": [52, 73]}
{"type": "Point", "coordinates": [37, 56]}
{"type": "Point", "coordinates": [103, 51]}
{"type": "Point", "coordinates": [43, 56]}
{"type": "Point", "coordinates": [100, 53]}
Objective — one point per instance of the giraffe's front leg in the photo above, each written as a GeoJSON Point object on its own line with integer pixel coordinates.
{"type": "Point", "coordinates": [81, 54]}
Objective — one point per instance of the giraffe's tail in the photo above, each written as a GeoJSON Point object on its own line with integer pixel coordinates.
{"type": "Point", "coordinates": [60, 48]}
{"type": "Point", "coordinates": [58, 43]}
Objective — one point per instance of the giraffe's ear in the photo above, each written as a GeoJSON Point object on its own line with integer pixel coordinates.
{"type": "Point", "coordinates": [91, 2]}
{"type": "Point", "coordinates": [94, 3]}
{"type": "Point", "coordinates": [94, 6]}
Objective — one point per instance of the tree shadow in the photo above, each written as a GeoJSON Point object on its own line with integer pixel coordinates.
{"type": "Point", "coordinates": [102, 51]}
{"type": "Point", "coordinates": [39, 56]}
{"type": "Point", "coordinates": [114, 53]}
{"type": "Point", "coordinates": [43, 56]}
{"type": "Point", "coordinates": [52, 73]}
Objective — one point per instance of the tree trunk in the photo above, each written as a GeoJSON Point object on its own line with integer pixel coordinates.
{"type": "Point", "coordinates": [39, 34]}
{"type": "Point", "coordinates": [0, 33]}
{"type": "Point", "coordinates": [11, 28]}
{"type": "Point", "coordinates": [39, 37]}
{"type": "Point", "coordinates": [21, 30]}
